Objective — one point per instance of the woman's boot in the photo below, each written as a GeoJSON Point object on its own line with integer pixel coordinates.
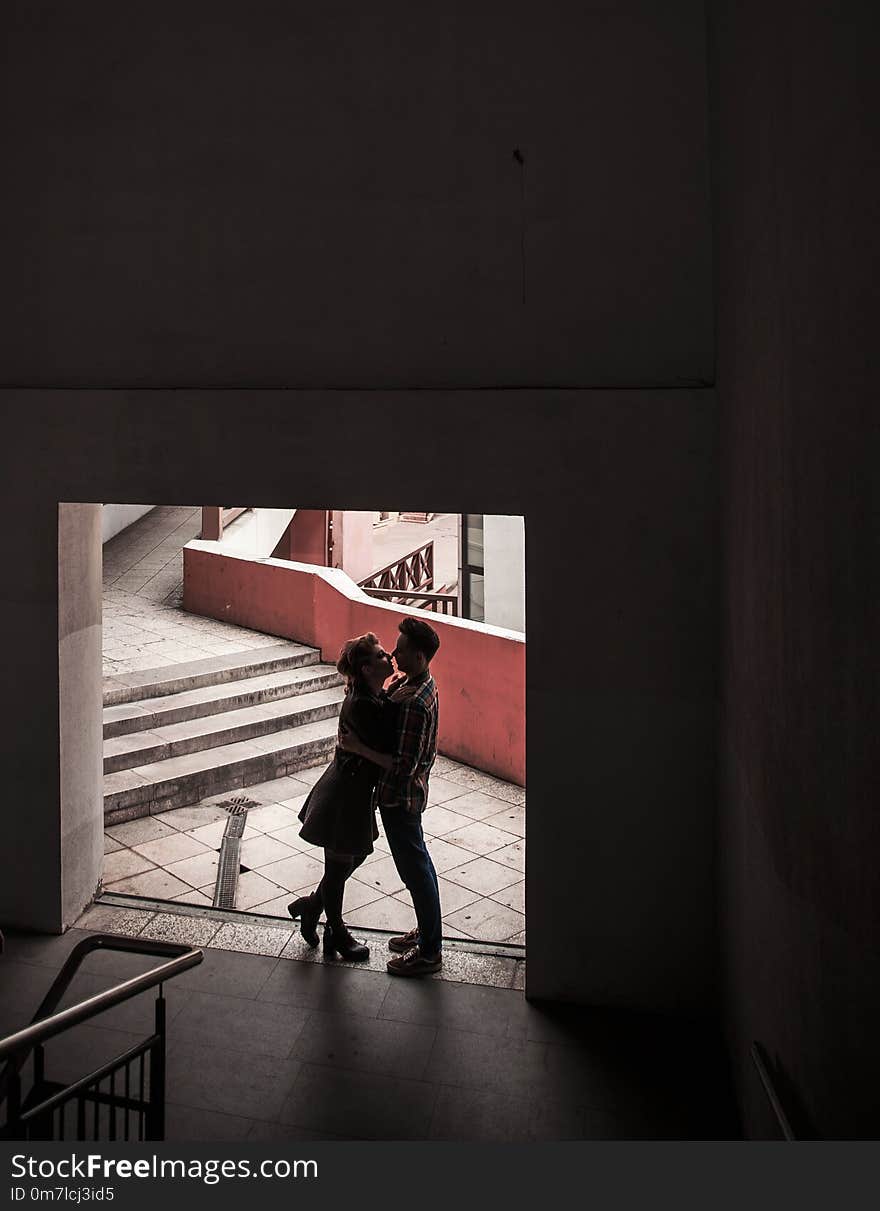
{"type": "Point", "coordinates": [340, 942]}
{"type": "Point", "coordinates": [308, 909]}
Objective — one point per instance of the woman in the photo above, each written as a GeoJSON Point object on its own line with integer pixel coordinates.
{"type": "Point", "coordinates": [339, 814]}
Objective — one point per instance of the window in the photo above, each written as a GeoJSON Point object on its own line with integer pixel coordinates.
{"type": "Point", "coordinates": [472, 567]}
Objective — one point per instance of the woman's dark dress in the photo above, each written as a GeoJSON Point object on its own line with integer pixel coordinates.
{"type": "Point", "coordinates": [338, 813]}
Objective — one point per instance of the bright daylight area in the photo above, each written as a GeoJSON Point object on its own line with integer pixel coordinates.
{"type": "Point", "coordinates": [221, 631]}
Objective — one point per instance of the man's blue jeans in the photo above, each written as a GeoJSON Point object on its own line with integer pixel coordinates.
{"type": "Point", "coordinates": [407, 842]}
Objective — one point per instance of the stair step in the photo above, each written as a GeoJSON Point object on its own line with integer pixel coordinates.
{"type": "Point", "coordinates": [148, 714]}
{"type": "Point", "coordinates": [177, 781]}
{"type": "Point", "coordinates": [213, 670]}
{"type": "Point", "coordinates": [215, 731]}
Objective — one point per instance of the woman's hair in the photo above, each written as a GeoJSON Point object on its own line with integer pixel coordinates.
{"type": "Point", "coordinates": [355, 654]}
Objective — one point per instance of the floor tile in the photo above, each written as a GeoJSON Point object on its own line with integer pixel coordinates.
{"type": "Point", "coordinates": [299, 870]}
{"type": "Point", "coordinates": [480, 838]}
{"type": "Point", "coordinates": [515, 1067]}
{"type": "Point", "coordinates": [358, 894]}
{"type": "Point", "coordinates": [247, 1084]}
{"type": "Point", "coordinates": [198, 870]}
{"type": "Point", "coordinates": [124, 862]}
{"type": "Point", "coordinates": [335, 989]}
{"type": "Point", "coordinates": [310, 776]}
{"type": "Point", "coordinates": [276, 907]}
{"type": "Point", "coordinates": [360, 1105]}
{"type": "Point", "coordinates": [440, 790]}
{"type": "Point", "coordinates": [511, 820]}
{"type": "Point", "coordinates": [175, 927]}
{"type": "Point", "coordinates": [438, 821]}
{"type": "Point", "coordinates": [513, 896]}
{"type": "Point", "coordinates": [483, 875]}
{"type": "Point", "coordinates": [446, 856]}
{"type": "Point", "coordinates": [224, 973]}
{"type": "Point", "coordinates": [387, 913]}
{"type": "Point", "coordinates": [241, 1025]}
{"type": "Point", "coordinates": [156, 883]}
{"type": "Point", "coordinates": [441, 1003]}
{"type": "Point", "coordinates": [513, 856]}
{"type": "Point", "coordinates": [475, 804]}
{"type": "Point", "coordinates": [365, 1044]}
{"type": "Point", "coordinates": [289, 836]}
{"type": "Point", "coordinates": [381, 875]}
{"type": "Point", "coordinates": [480, 1116]}
{"type": "Point", "coordinates": [43, 950]}
{"type": "Point", "coordinates": [260, 851]}
{"type": "Point", "coordinates": [500, 926]}
{"type": "Point", "coordinates": [272, 817]}
{"type": "Point", "coordinates": [104, 919]}
{"type": "Point", "coordinates": [295, 803]}
{"type": "Point", "coordinates": [254, 888]}
{"type": "Point", "coordinates": [136, 832]}
{"type": "Point", "coordinates": [470, 968]}
{"type": "Point", "coordinates": [286, 1133]}
{"type": "Point", "coordinates": [252, 939]}
{"type": "Point", "coordinates": [277, 789]}
{"type": "Point", "coordinates": [185, 1124]}
{"type": "Point", "coordinates": [185, 819]}
{"type": "Point", "coordinates": [193, 896]}
{"type": "Point", "coordinates": [165, 851]}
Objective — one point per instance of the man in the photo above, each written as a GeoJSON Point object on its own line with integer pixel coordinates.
{"type": "Point", "coordinates": [402, 794]}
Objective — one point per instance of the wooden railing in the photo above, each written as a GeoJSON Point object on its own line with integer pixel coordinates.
{"type": "Point", "coordinates": [414, 571]}
{"type": "Point", "coordinates": [410, 581]}
{"type": "Point", "coordinates": [216, 517]}
{"type": "Point", "coordinates": [440, 603]}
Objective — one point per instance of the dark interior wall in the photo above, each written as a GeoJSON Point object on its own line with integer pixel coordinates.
{"type": "Point", "coordinates": [212, 194]}
{"type": "Point", "coordinates": [621, 624]}
{"type": "Point", "coordinates": [217, 193]}
{"type": "Point", "coordinates": [795, 101]}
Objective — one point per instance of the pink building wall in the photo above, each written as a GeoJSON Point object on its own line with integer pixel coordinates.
{"type": "Point", "coordinates": [480, 670]}
{"type": "Point", "coordinates": [353, 543]}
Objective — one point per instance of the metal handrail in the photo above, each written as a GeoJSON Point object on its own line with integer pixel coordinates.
{"type": "Point", "coordinates": [760, 1062]}
{"type": "Point", "coordinates": [47, 1024]}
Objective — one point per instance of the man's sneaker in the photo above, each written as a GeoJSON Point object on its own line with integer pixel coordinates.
{"type": "Point", "coordinates": [414, 963]}
{"type": "Point", "coordinates": [404, 942]}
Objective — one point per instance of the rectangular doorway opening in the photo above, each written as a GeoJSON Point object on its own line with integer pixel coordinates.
{"type": "Point", "coordinates": [221, 628]}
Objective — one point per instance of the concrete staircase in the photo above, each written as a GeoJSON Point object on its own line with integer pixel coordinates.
{"type": "Point", "coordinates": [177, 734]}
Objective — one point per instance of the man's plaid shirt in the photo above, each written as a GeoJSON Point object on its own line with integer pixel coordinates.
{"type": "Point", "coordinates": [406, 783]}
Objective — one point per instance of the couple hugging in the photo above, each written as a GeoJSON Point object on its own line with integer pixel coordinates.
{"type": "Point", "coordinates": [386, 746]}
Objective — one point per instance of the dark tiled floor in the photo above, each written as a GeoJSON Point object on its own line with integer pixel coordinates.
{"type": "Point", "coordinates": [274, 1049]}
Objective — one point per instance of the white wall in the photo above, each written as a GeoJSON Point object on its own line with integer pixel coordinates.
{"type": "Point", "coordinates": [504, 560]}
{"type": "Point", "coordinates": [116, 517]}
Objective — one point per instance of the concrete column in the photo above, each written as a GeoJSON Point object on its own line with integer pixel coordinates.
{"type": "Point", "coordinates": [79, 706]}
{"type": "Point", "coordinates": [52, 804]}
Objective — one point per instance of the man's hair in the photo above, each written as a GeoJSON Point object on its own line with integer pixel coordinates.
{"type": "Point", "coordinates": [421, 635]}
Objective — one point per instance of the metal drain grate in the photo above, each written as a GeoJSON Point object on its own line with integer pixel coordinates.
{"type": "Point", "coordinates": [230, 852]}
{"type": "Point", "coordinates": [237, 805]}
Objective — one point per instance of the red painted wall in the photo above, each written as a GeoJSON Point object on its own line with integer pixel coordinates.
{"type": "Point", "coordinates": [480, 671]}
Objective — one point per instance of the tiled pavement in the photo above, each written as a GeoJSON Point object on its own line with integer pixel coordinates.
{"type": "Point", "coordinates": [475, 824]}
{"type": "Point", "coordinates": [475, 827]}
{"type": "Point", "coordinates": [144, 626]}
{"type": "Point", "coordinates": [264, 1049]}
